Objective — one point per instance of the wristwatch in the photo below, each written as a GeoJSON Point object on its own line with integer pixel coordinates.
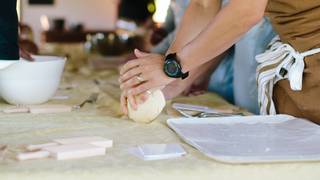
{"type": "Point", "coordinates": [172, 67]}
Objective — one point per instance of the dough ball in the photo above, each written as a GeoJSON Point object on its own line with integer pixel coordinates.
{"type": "Point", "coordinates": [150, 109]}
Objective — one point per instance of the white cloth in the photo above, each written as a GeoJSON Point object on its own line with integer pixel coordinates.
{"type": "Point", "coordinates": [280, 61]}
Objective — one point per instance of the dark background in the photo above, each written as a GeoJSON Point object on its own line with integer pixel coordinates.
{"type": "Point", "coordinates": [41, 2]}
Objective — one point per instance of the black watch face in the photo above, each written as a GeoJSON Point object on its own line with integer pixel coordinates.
{"type": "Point", "coordinates": [172, 68]}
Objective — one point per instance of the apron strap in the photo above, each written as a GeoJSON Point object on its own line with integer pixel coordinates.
{"type": "Point", "coordinates": [280, 61]}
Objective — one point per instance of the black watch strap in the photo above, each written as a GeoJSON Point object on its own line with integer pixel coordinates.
{"type": "Point", "coordinates": [184, 75]}
{"type": "Point", "coordinates": [181, 75]}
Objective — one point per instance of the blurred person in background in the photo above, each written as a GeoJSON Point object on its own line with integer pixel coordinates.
{"type": "Point", "coordinates": [9, 38]}
{"type": "Point", "coordinates": [136, 10]}
{"type": "Point", "coordinates": [9, 48]}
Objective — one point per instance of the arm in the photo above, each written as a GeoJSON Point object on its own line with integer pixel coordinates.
{"type": "Point", "coordinates": [219, 34]}
{"type": "Point", "coordinates": [9, 49]}
{"type": "Point", "coordinates": [234, 20]}
{"type": "Point", "coordinates": [197, 16]}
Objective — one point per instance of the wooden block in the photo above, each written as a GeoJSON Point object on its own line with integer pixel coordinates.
{"type": "Point", "coordinates": [34, 147]}
{"type": "Point", "coordinates": [75, 151]}
{"type": "Point", "coordinates": [47, 109]}
{"type": "Point", "coordinates": [93, 140]}
{"type": "Point", "coordinates": [16, 110]}
{"type": "Point", "coordinates": [33, 155]}
{"type": "Point", "coordinates": [60, 97]}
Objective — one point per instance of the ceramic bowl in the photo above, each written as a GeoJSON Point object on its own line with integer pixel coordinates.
{"type": "Point", "coordinates": [28, 83]}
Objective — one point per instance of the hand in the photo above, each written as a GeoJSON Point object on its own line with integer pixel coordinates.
{"type": "Point", "coordinates": [134, 101]}
{"type": "Point", "coordinates": [186, 88]}
{"type": "Point", "coordinates": [174, 89]}
{"type": "Point", "coordinates": [25, 55]}
{"type": "Point", "coordinates": [198, 87]}
{"type": "Point", "coordinates": [194, 91]}
{"type": "Point", "coordinates": [142, 74]}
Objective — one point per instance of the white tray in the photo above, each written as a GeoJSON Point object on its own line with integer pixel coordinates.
{"type": "Point", "coordinates": [251, 139]}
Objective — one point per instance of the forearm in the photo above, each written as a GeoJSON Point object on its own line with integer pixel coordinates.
{"type": "Point", "coordinates": [196, 17]}
{"type": "Point", "coordinates": [222, 32]}
{"type": "Point", "coordinates": [205, 69]}
{"type": "Point", "coordinates": [179, 86]}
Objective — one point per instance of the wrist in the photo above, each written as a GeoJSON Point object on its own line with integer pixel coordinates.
{"type": "Point", "coordinates": [172, 67]}
{"type": "Point", "coordinates": [182, 57]}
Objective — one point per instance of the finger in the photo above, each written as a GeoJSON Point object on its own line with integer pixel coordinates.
{"type": "Point", "coordinates": [185, 93]}
{"type": "Point", "coordinates": [129, 65]}
{"type": "Point", "coordinates": [27, 56]}
{"type": "Point", "coordinates": [130, 83]}
{"type": "Point", "coordinates": [131, 73]}
{"type": "Point", "coordinates": [123, 102]}
{"type": "Point", "coordinates": [134, 63]}
{"type": "Point", "coordinates": [140, 54]}
{"type": "Point", "coordinates": [134, 81]}
{"type": "Point", "coordinates": [197, 93]}
{"type": "Point", "coordinates": [132, 101]}
{"type": "Point", "coordinates": [143, 97]}
{"type": "Point", "coordinates": [141, 88]}
{"type": "Point", "coordinates": [151, 83]}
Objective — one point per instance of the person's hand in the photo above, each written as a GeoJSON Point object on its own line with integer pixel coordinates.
{"type": "Point", "coordinates": [143, 74]}
{"type": "Point", "coordinates": [174, 89]}
{"type": "Point", "coordinates": [134, 101]}
{"type": "Point", "coordinates": [25, 55]}
{"type": "Point", "coordinates": [185, 88]}
{"type": "Point", "coordinates": [198, 87]}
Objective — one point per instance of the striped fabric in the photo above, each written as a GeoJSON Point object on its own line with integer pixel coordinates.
{"type": "Point", "coordinates": [280, 61]}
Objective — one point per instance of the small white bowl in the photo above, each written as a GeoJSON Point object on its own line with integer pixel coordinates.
{"type": "Point", "coordinates": [28, 83]}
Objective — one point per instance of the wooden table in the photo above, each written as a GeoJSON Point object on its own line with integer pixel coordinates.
{"type": "Point", "coordinates": [105, 119]}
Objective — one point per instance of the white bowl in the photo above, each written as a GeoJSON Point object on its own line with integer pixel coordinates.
{"type": "Point", "coordinates": [27, 83]}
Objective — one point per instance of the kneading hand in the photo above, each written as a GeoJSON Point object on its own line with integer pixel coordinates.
{"type": "Point", "coordinates": [134, 101]}
{"type": "Point", "coordinates": [25, 55]}
{"type": "Point", "coordinates": [141, 75]}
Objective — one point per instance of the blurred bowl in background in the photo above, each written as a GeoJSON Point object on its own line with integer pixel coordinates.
{"type": "Point", "coordinates": [28, 83]}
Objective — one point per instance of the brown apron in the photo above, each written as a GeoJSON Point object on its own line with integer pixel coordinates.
{"type": "Point", "coordinates": [298, 23]}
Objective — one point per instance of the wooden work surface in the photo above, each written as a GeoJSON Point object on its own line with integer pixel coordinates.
{"type": "Point", "coordinates": [105, 119]}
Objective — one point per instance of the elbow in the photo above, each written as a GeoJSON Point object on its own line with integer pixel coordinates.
{"type": "Point", "coordinates": [255, 17]}
{"type": "Point", "coordinates": [251, 17]}
{"type": "Point", "coordinates": [204, 4]}
{"type": "Point", "coordinates": [250, 14]}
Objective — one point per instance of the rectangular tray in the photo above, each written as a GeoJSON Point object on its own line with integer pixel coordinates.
{"type": "Point", "coordinates": [251, 139]}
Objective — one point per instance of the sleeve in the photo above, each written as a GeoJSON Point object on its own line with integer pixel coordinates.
{"type": "Point", "coordinates": [9, 48]}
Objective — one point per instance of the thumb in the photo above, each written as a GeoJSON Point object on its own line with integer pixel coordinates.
{"type": "Point", "coordinates": [140, 54]}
